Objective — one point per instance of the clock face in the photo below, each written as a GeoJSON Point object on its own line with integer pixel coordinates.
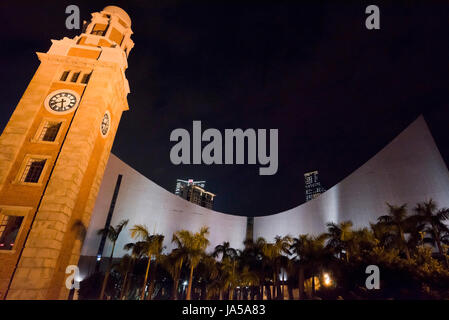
{"type": "Point", "coordinates": [105, 123]}
{"type": "Point", "coordinates": [62, 101]}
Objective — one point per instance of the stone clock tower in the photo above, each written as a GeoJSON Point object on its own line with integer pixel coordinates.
{"type": "Point", "coordinates": [53, 154]}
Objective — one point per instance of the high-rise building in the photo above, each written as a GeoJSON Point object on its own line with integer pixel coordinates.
{"type": "Point", "coordinates": [312, 185]}
{"type": "Point", "coordinates": [53, 153]}
{"type": "Point", "coordinates": [197, 195]}
{"type": "Point", "coordinates": [183, 183]}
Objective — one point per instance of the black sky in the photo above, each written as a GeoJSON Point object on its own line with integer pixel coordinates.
{"type": "Point", "coordinates": [336, 91]}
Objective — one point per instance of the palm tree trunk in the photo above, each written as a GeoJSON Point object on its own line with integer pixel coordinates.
{"type": "Point", "coordinates": [282, 287]}
{"type": "Point", "coordinates": [106, 276]}
{"type": "Point", "coordinates": [175, 289]}
{"type": "Point", "coordinates": [290, 289]}
{"type": "Point", "coordinates": [313, 284]}
{"type": "Point", "coordinates": [407, 252]}
{"type": "Point", "coordinates": [122, 292]}
{"type": "Point", "coordinates": [436, 234]}
{"type": "Point", "coordinates": [438, 241]}
{"type": "Point", "coordinates": [176, 279]}
{"type": "Point", "coordinates": [268, 287]}
{"type": "Point", "coordinates": [152, 282]}
{"type": "Point", "coordinates": [125, 280]}
{"type": "Point", "coordinates": [151, 287]}
{"type": "Point", "coordinates": [203, 291]}
{"type": "Point", "coordinates": [142, 294]}
{"type": "Point", "coordinates": [128, 285]}
{"type": "Point", "coordinates": [275, 287]}
{"type": "Point", "coordinates": [301, 283]}
{"type": "Point", "coordinates": [105, 282]}
{"type": "Point", "coordinates": [189, 288]}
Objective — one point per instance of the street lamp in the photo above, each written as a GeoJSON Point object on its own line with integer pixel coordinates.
{"type": "Point", "coordinates": [327, 280]}
{"type": "Point", "coordinates": [184, 284]}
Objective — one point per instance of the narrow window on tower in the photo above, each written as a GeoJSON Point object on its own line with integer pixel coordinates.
{"type": "Point", "coordinates": [86, 78]}
{"type": "Point", "coordinates": [64, 76]}
{"type": "Point", "coordinates": [33, 170]}
{"type": "Point", "coordinates": [49, 131]}
{"type": "Point", "coordinates": [9, 229]}
{"type": "Point", "coordinates": [75, 76]}
{"type": "Point", "coordinates": [99, 29]}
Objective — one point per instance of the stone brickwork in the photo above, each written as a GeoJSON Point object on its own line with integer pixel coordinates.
{"type": "Point", "coordinates": [50, 237]}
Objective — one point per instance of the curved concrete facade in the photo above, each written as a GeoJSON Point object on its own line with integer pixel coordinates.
{"type": "Point", "coordinates": [408, 170]}
{"type": "Point", "coordinates": [143, 202]}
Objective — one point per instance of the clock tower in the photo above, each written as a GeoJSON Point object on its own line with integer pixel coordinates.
{"type": "Point", "coordinates": [53, 153]}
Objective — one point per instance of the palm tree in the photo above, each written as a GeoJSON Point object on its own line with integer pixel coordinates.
{"type": "Point", "coordinates": [298, 248]}
{"type": "Point", "coordinates": [229, 276]}
{"type": "Point", "coordinates": [311, 254]}
{"type": "Point", "coordinates": [207, 271]}
{"type": "Point", "coordinates": [122, 267]}
{"type": "Point", "coordinates": [252, 256]}
{"type": "Point", "coordinates": [427, 212]}
{"type": "Point", "coordinates": [417, 231]}
{"type": "Point", "coordinates": [225, 250]}
{"type": "Point", "coordinates": [262, 268]}
{"type": "Point", "coordinates": [340, 236]}
{"type": "Point", "coordinates": [397, 218]}
{"type": "Point", "coordinates": [273, 252]}
{"type": "Point", "coordinates": [173, 263]}
{"type": "Point", "coordinates": [136, 253]}
{"type": "Point", "coordinates": [292, 269]}
{"type": "Point", "coordinates": [362, 243]}
{"type": "Point", "coordinates": [227, 254]}
{"type": "Point", "coordinates": [194, 244]}
{"type": "Point", "coordinates": [247, 278]}
{"type": "Point", "coordinates": [152, 247]}
{"type": "Point", "coordinates": [224, 280]}
{"type": "Point", "coordinates": [383, 233]}
{"type": "Point", "coordinates": [112, 235]}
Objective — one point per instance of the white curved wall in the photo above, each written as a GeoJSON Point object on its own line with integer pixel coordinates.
{"type": "Point", "coordinates": [143, 202]}
{"type": "Point", "coordinates": [409, 170]}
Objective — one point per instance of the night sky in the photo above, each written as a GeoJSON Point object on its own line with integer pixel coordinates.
{"type": "Point", "coordinates": [336, 91]}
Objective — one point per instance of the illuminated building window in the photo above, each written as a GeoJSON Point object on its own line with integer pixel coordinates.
{"type": "Point", "coordinates": [64, 76]}
{"type": "Point", "coordinates": [86, 78]}
{"type": "Point", "coordinates": [191, 191]}
{"type": "Point", "coordinates": [313, 187]}
{"type": "Point", "coordinates": [9, 228]}
{"type": "Point", "coordinates": [75, 76]}
{"type": "Point", "coordinates": [49, 131]}
{"type": "Point", "coordinates": [33, 170]}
